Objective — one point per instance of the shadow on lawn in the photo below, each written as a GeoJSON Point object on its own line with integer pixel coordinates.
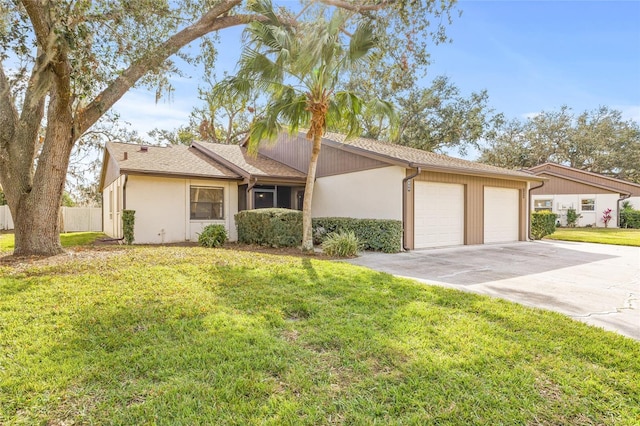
{"type": "Point", "coordinates": [341, 342]}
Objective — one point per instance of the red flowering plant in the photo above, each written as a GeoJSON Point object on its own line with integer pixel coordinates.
{"type": "Point", "coordinates": [606, 217]}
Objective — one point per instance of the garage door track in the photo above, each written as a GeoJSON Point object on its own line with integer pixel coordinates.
{"type": "Point", "coordinates": [595, 283]}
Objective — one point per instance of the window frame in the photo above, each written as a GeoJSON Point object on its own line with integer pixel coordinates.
{"type": "Point", "coordinates": [537, 208]}
{"type": "Point", "coordinates": [216, 206]}
{"type": "Point", "coordinates": [592, 205]}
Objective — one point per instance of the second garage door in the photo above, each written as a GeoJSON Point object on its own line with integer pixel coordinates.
{"type": "Point", "coordinates": [438, 214]}
{"type": "Point", "coordinates": [501, 215]}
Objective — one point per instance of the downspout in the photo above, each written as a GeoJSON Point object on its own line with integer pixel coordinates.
{"type": "Point", "coordinates": [124, 192]}
{"type": "Point", "coordinates": [529, 210]}
{"type": "Point", "coordinates": [250, 186]}
{"type": "Point", "coordinates": [406, 181]}
{"type": "Point", "coordinates": [124, 200]}
{"type": "Point", "coordinates": [618, 207]}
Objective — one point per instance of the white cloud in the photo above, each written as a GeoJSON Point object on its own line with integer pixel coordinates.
{"type": "Point", "coordinates": [530, 115]}
{"type": "Point", "coordinates": [629, 112]}
{"type": "Point", "coordinates": [139, 108]}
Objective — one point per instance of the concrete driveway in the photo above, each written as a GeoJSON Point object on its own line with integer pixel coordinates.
{"type": "Point", "coordinates": [595, 283]}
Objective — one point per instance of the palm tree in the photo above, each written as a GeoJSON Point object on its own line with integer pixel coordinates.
{"type": "Point", "coordinates": [298, 69]}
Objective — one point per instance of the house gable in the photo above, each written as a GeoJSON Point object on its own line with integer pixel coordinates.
{"type": "Point", "coordinates": [295, 151]}
{"type": "Point", "coordinates": [571, 179]}
{"type": "Point", "coordinates": [562, 185]}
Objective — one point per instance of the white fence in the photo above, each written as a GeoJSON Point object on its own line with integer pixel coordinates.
{"type": "Point", "coordinates": [72, 219]}
{"type": "Point", "coordinates": [6, 221]}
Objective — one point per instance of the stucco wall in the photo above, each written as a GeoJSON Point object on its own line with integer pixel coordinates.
{"type": "Point", "coordinates": [635, 202]}
{"type": "Point", "coordinates": [162, 208]}
{"type": "Point", "coordinates": [369, 194]}
{"type": "Point", "coordinates": [112, 208]}
{"type": "Point", "coordinates": [561, 203]}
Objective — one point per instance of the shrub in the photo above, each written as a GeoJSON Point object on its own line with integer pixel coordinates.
{"type": "Point", "coordinates": [630, 219]}
{"type": "Point", "coordinates": [572, 218]}
{"type": "Point", "coordinates": [341, 244]}
{"type": "Point", "coordinates": [542, 224]}
{"type": "Point", "coordinates": [606, 217]}
{"type": "Point", "coordinates": [374, 234]}
{"type": "Point", "coordinates": [270, 227]}
{"type": "Point", "coordinates": [128, 222]}
{"type": "Point", "coordinates": [213, 236]}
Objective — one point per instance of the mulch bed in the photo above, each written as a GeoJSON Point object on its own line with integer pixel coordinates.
{"type": "Point", "coordinates": [102, 249]}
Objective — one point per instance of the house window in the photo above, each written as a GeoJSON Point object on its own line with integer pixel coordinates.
{"type": "Point", "coordinates": [111, 206]}
{"type": "Point", "coordinates": [264, 198]}
{"type": "Point", "coordinates": [587, 204]}
{"type": "Point", "coordinates": [207, 203]}
{"type": "Point", "coordinates": [542, 205]}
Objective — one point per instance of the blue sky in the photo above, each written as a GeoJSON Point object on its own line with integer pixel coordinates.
{"type": "Point", "coordinates": [529, 55]}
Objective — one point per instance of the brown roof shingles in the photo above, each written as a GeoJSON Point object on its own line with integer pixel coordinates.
{"type": "Point", "coordinates": [419, 158]}
{"type": "Point", "coordinates": [170, 160]}
{"type": "Point", "coordinates": [254, 165]}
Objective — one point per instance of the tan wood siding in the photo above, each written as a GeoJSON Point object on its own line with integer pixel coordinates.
{"type": "Point", "coordinates": [557, 185]}
{"type": "Point", "coordinates": [295, 151]}
{"type": "Point", "coordinates": [474, 203]}
{"type": "Point", "coordinates": [585, 177]}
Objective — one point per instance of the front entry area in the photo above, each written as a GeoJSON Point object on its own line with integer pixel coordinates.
{"type": "Point", "coordinates": [439, 214]}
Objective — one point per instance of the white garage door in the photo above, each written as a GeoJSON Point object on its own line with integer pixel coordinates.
{"type": "Point", "coordinates": [439, 214]}
{"type": "Point", "coordinates": [501, 215]}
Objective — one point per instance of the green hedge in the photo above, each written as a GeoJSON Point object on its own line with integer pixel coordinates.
{"type": "Point", "coordinates": [630, 219]}
{"type": "Point", "coordinates": [542, 224]}
{"type": "Point", "coordinates": [128, 224]}
{"type": "Point", "coordinates": [374, 234]}
{"type": "Point", "coordinates": [270, 227]}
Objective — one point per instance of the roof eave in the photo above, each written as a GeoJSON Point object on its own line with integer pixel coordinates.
{"type": "Point", "coordinates": [480, 173]}
{"type": "Point", "coordinates": [585, 182]}
{"type": "Point", "coordinates": [428, 167]}
{"type": "Point", "coordinates": [279, 179]}
{"type": "Point", "coordinates": [160, 173]}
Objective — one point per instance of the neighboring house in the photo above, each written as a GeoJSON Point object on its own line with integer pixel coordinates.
{"type": "Point", "coordinates": [442, 201]}
{"type": "Point", "coordinates": [590, 194]}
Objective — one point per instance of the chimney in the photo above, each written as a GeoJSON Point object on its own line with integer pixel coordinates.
{"type": "Point", "coordinates": [126, 155]}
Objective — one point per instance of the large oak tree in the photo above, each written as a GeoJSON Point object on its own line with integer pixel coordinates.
{"type": "Point", "coordinates": [599, 141]}
{"type": "Point", "coordinates": [64, 64]}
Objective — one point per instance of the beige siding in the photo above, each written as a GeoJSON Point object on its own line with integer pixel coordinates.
{"type": "Point", "coordinates": [556, 185]}
{"type": "Point", "coordinates": [295, 151]}
{"type": "Point", "coordinates": [370, 194]}
{"type": "Point", "coordinates": [162, 208]}
{"type": "Point", "coordinates": [569, 187]}
{"type": "Point", "coordinates": [474, 204]}
{"type": "Point", "coordinates": [112, 206]}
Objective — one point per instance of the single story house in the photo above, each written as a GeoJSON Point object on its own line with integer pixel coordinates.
{"type": "Point", "coordinates": [441, 201]}
{"type": "Point", "coordinates": [589, 194]}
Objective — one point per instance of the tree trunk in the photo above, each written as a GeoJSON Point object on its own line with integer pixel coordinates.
{"type": "Point", "coordinates": [307, 231]}
{"type": "Point", "coordinates": [36, 212]}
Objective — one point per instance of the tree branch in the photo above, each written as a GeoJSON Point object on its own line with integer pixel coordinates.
{"type": "Point", "coordinates": [213, 20]}
{"type": "Point", "coordinates": [354, 7]}
{"type": "Point", "coordinates": [8, 113]}
{"type": "Point", "coordinates": [38, 18]}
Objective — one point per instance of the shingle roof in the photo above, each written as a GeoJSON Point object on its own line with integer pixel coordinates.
{"type": "Point", "coordinates": [252, 165]}
{"type": "Point", "coordinates": [171, 160]}
{"type": "Point", "coordinates": [413, 157]}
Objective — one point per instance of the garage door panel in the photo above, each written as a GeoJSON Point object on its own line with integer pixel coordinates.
{"type": "Point", "coordinates": [438, 214]}
{"type": "Point", "coordinates": [501, 215]}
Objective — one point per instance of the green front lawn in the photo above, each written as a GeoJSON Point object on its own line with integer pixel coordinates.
{"type": "Point", "coordinates": [622, 237]}
{"type": "Point", "coordinates": [177, 335]}
{"type": "Point", "coordinates": [67, 240]}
